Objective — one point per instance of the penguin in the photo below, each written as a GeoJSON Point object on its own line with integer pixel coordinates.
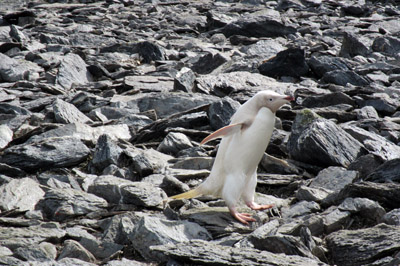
{"type": "Point", "coordinates": [233, 175]}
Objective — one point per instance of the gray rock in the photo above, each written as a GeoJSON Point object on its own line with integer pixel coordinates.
{"type": "Point", "coordinates": [148, 83]}
{"type": "Point", "coordinates": [6, 135]}
{"type": "Point", "coordinates": [118, 228]}
{"type": "Point", "coordinates": [84, 132]}
{"type": "Point", "coordinates": [174, 142]}
{"type": "Point", "coordinates": [220, 112]}
{"type": "Point", "coordinates": [335, 219]}
{"type": "Point", "coordinates": [365, 207]}
{"type": "Point", "coordinates": [264, 24]}
{"type": "Point", "coordinates": [118, 190]}
{"type": "Point", "coordinates": [59, 204]}
{"type": "Point", "coordinates": [151, 231]}
{"type": "Point", "coordinates": [106, 152]}
{"type": "Point", "coordinates": [168, 104]}
{"type": "Point", "coordinates": [108, 187]}
{"type": "Point", "coordinates": [374, 143]}
{"type": "Point", "coordinates": [312, 193]}
{"type": "Point", "coordinates": [334, 178]}
{"type": "Point", "coordinates": [208, 253]}
{"type": "Point", "coordinates": [328, 99]}
{"type": "Point", "coordinates": [125, 262]}
{"type": "Point", "coordinates": [184, 80]}
{"type": "Point", "coordinates": [208, 62]}
{"type": "Point", "coordinates": [300, 208]}
{"type": "Point", "coordinates": [324, 63]}
{"type": "Point", "coordinates": [72, 72]}
{"type": "Point", "coordinates": [382, 102]}
{"type": "Point", "coordinates": [72, 249]}
{"type": "Point", "coordinates": [15, 237]}
{"type": "Point", "coordinates": [232, 83]}
{"type": "Point", "coordinates": [263, 49]}
{"type": "Point", "coordinates": [100, 249]}
{"type": "Point", "coordinates": [17, 69]}
{"type": "Point", "coordinates": [285, 244]}
{"type": "Point", "coordinates": [146, 162]}
{"type": "Point", "coordinates": [367, 112]}
{"type": "Point", "coordinates": [387, 172]}
{"type": "Point", "coordinates": [319, 141]}
{"type": "Point", "coordinates": [67, 113]}
{"type": "Point", "coordinates": [344, 77]}
{"type": "Point", "coordinates": [363, 246]}
{"type": "Point", "coordinates": [143, 194]}
{"type": "Point", "coordinates": [7, 108]}
{"type": "Point", "coordinates": [149, 51]}
{"type": "Point", "coordinates": [22, 194]}
{"type": "Point", "coordinates": [290, 62]}
{"type": "Point", "coordinates": [386, 44]}
{"type": "Point", "coordinates": [365, 165]}
{"type": "Point", "coordinates": [392, 217]}
{"type": "Point", "coordinates": [51, 152]}
{"type": "Point", "coordinates": [43, 252]}
{"type": "Point", "coordinates": [384, 193]}
{"type": "Point", "coordinates": [352, 46]}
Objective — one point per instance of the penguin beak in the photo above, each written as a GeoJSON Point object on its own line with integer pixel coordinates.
{"type": "Point", "coordinates": [289, 98]}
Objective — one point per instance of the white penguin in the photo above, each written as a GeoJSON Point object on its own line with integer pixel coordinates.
{"type": "Point", "coordinates": [244, 141]}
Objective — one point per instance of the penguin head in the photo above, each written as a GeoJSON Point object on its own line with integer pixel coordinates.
{"type": "Point", "coordinates": [271, 100]}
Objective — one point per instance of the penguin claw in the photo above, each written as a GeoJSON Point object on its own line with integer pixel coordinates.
{"type": "Point", "coordinates": [244, 218]}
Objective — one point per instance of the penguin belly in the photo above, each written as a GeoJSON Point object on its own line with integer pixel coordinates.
{"type": "Point", "coordinates": [247, 147]}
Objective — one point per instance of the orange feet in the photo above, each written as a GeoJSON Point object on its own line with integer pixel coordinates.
{"type": "Point", "coordinates": [244, 218]}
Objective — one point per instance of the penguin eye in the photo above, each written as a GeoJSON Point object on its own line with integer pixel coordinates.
{"type": "Point", "coordinates": [270, 99]}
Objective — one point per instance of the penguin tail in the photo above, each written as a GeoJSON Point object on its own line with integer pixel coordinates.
{"type": "Point", "coordinates": [187, 195]}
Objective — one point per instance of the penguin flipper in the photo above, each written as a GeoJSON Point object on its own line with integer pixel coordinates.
{"type": "Point", "coordinates": [222, 132]}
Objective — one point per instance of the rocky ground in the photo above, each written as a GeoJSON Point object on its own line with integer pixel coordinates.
{"type": "Point", "coordinates": [103, 105]}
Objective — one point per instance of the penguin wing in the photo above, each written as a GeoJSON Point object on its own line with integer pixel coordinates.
{"type": "Point", "coordinates": [226, 131]}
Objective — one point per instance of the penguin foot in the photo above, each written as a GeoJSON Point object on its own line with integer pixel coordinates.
{"type": "Point", "coordinates": [254, 206]}
{"type": "Point", "coordinates": [244, 218]}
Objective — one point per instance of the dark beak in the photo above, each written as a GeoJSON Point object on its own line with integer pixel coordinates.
{"type": "Point", "coordinates": [289, 98]}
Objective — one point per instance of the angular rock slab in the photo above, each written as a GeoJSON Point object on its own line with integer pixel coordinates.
{"type": "Point", "coordinates": [387, 172]}
{"type": "Point", "coordinates": [374, 143]}
{"type": "Point", "coordinates": [59, 204]}
{"type": "Point", "coordinates": [363, 246]}
{"type": "Point", "coordinates": [319, 141]}
{"type": "Point", "coordinates": [14, 237]}
{"type": "Point", "coordinates": [67, 113]}
{"type": "Point", "coordinates": [151, 231]}
{"type": "Point", "coordinates": [13, 70]}
{"type": "Point", "coordinates": [208, 253]}
{"type": "Point", "coordinates": [118, 190]}
{"type": "Point", "coordinates": [21, 194]}
{"type": "Point", "coordinates": [387, 194]}
{"type": "Point", "coordinates": [52, 152]}
{"type": "Point", "coordinates": [72, 72]}
{"type": "Point", "coordinates": [6, 135]}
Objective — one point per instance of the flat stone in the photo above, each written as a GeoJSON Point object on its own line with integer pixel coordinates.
{"type": "Point", "coordinates": [18, 69]}
{"type": "Point", "coordinates": [363, 246]}
{"type": "Point", "coordinates": [334, 178]}
{"type": "Point", "coordinates": [51, 152]}
{"type": "Point", "coordinates": [151, 231]}
{"type": "Point", "coordinates": [315, 141]}
{"type": "Point", "coordinates": [207, 253]}
{"type": "Point", "coordinates": [67, 113]}
{"type": "Point", "coordinates": [22, 194]}
{"type": "Point", "coordinates": [59, 204]}
{"type": "Point", "coordinates": [73, 72]}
